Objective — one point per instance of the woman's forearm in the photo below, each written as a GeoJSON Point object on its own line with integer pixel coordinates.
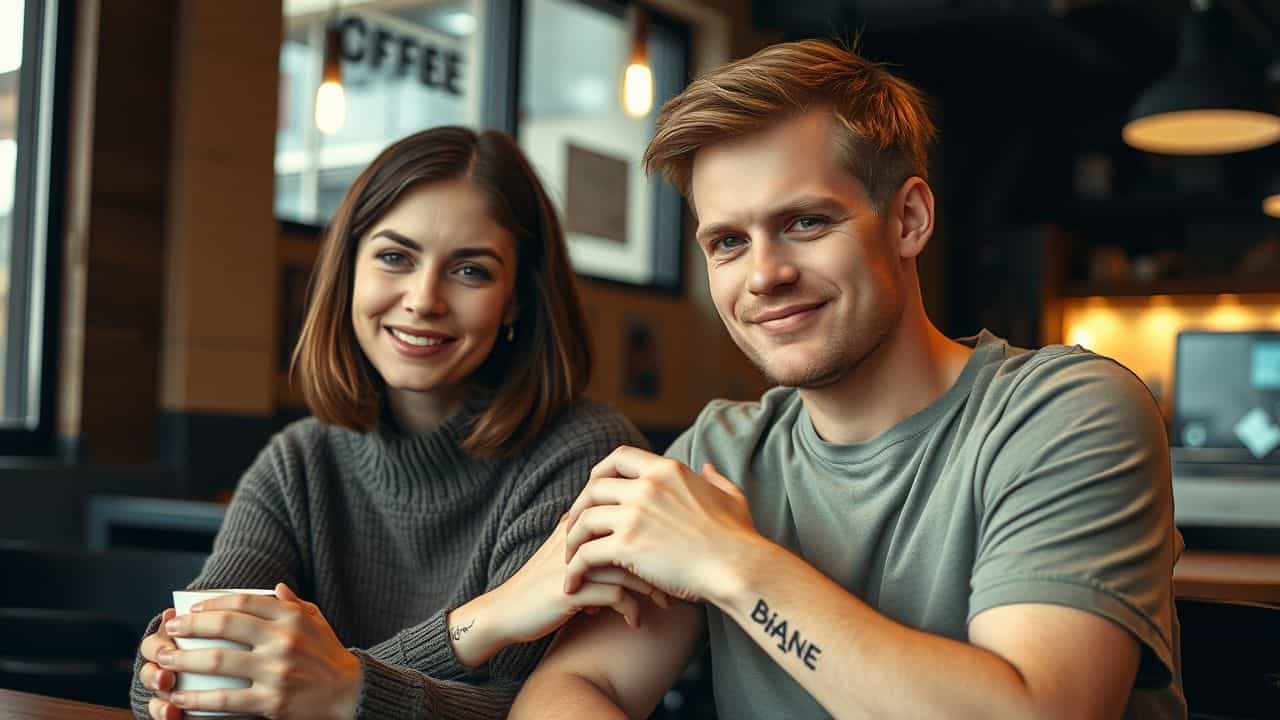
{"type": "Point", "coordinates": [475, 630]}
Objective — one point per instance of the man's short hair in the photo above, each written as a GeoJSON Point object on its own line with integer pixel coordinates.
{"type": "Point", "coordinates": [883, 127]}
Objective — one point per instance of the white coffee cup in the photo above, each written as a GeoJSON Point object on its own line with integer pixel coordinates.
{"type": "Point", "coordinates": [182, 602]}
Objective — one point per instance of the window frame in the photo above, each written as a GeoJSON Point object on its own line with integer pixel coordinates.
{"type": "Point", "coordinates": [500, 91]}
{"type": "Point", "coordinates": [500, 102]}
{"type": "Point", "coordinates": [34, 309]}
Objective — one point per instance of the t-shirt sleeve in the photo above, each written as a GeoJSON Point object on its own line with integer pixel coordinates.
{"type": "Point", "coordinates": [682, 448]}
{"type": "Point", "coordinates": [1078, 504]}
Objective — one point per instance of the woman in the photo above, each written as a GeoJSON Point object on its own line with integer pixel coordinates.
{"type": "Point", "coordinates": [443, 356]}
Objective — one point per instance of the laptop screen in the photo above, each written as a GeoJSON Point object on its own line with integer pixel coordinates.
{"type": "Point", "coordinates": [1227, 394]}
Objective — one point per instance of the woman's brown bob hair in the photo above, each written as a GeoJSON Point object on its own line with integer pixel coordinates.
{"type": "Point", "coordinates": [527, 382]}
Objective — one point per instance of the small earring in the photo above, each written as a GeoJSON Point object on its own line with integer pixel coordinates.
{"type": "Point", "coordinates": [511, 332]}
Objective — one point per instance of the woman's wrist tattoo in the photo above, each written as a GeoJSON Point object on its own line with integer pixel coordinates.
{"type": "Point", "coordinates": [457, 631]}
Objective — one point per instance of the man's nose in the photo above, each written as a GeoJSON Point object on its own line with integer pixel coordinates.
{"type": "Point", "coordinates": [771, 268]}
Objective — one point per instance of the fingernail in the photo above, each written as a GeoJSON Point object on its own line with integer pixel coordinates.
{"type": "Point", "coordinates": [178, 698]}
{"type": "Point", "coordinates": [172, 626]}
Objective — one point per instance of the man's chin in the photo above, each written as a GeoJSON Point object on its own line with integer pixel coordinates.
{"type": "Point", "coordinates": [801, 376]}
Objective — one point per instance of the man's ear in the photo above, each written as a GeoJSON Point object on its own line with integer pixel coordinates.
{"type": "Point", "coordinates": [913, 210]}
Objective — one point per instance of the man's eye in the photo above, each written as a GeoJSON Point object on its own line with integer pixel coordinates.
{"type": "Point", "coordinates": [729, 242]}
{"type": "Point", "coordinates": [808, 222]}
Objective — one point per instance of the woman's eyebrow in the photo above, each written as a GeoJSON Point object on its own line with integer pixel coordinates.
{"type": "Point", "coordinates": [398, 238]}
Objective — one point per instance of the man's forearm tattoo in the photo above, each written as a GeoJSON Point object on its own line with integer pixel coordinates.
{"type": "Point", "coordinates": [789, 641]}
{"type": "Point", "coordinates": [457, 631]}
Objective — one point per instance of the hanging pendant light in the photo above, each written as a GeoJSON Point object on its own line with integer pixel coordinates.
{"type": "Point", "coordinates": [1271, 203]}
{"type": "Point", "coordinates": [637, 80]}
{"type": "Point", "coordinates": [331, 99]}
{"type": "Point", "coordinates": [1209, 104]}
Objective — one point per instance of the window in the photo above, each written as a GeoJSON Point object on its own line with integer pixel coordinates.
{"type": "Point", "coordinates": [29, 211]}
{"type": "Point", "coordinates": [406, 66]}
{"type": "Point", "coordinates": [620, 225]}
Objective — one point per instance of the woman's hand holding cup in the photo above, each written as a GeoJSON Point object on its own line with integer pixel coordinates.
{"type": "Point", "coordinates": [252, 654]}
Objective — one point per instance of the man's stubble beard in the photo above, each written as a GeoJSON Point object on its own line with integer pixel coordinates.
{"type": "Point", "coordinates": [839, 356]}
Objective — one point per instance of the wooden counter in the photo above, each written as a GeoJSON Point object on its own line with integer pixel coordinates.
{"type": "Point", "coordinates": [1228, 576]}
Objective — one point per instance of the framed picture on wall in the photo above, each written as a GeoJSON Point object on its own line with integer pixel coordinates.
{"type": "Point", "coordinates": [621, 225]}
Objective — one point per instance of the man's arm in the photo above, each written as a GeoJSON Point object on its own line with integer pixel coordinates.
{"type": "Point", "coordinates": [692, 536]}
{"type": "Point", "coordinates": [598, 667]}
{"type": "Point", "coordinates": [1023, 661]}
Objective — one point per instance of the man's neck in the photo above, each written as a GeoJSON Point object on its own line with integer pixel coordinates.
{"type": "Point", "coordinates": [914, 366]}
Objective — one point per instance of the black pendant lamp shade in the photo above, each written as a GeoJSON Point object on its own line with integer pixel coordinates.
{"type": "Point", "coordinates": [1209, 104]}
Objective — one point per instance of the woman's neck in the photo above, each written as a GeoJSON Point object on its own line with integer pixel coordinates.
{"type": "Point", "coordinates": [417, 413]}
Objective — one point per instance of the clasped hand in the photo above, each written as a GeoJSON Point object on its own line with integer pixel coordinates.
{"type": "Point", "coordinates": [297, 665]}
{"type": "Point", "coordinates": [660, 521]}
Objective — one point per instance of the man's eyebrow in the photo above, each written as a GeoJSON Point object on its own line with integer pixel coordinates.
{"type": "Point", "coordinates": [713, 230]}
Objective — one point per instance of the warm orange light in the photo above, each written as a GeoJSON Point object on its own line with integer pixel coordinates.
{"type": "Point", "coordinates": [1271, 205]}
{"type": "Point", "coordinates": [1202, 132]}
{"type": "Point", "coordinates": [637, 79]}
{"type": "Point", "coordinates": [637, 90]}
{"type": "Point", "coordinates": [1141, 333]}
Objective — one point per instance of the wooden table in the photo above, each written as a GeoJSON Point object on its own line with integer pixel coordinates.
{"type": "Point", "coordinates": [16, 705]}
{"type": "Point", "coordinates": [1228, 576]}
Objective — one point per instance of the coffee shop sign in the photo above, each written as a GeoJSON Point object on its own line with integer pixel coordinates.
{"type": "Point", "coordinates": [435, 67]}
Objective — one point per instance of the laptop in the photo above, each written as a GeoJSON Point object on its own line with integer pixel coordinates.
{"type": "Point", "coordinates": [1226, 433]}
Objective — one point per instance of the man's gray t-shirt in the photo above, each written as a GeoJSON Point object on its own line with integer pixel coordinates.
{"type": "Point", "coordinates": [1039, 477]}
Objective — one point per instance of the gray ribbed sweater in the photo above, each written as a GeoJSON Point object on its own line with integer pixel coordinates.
{"type": "Point", "coordinates": [388, 533]}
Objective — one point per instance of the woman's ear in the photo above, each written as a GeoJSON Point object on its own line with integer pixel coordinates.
{"type": "Point", "coordinates": [913, 206]}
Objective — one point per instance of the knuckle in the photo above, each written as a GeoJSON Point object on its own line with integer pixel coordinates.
{"type": "Point", "coordinates": [669, 466]}
{"type": "Point", "coordinates": [290, 643]}
{"type": "Point", "coordinates": [217, 661]}
{"type": "Point", "coordinates": [648, 489]}
{"type": "Point", "coordinates": [219, 623]}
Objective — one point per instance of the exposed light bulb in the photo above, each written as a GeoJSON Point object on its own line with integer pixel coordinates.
{"type": "Point", "coordinates": [331, 99]}
{"type": "Point", "coordinates": [331, 107]}
{"type": "Point", "coordinates": [637, 90]}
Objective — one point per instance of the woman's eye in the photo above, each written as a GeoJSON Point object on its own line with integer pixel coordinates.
{"type": "Point", "coordinates": [475, 272]}
{"type": "Point", "coordinates": [391, 257]}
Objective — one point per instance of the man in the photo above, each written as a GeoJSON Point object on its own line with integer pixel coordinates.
{"type": "Point", "coordinates": [910, 526]}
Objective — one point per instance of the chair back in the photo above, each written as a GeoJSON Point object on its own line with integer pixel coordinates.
{"type": "Point", "coordinates": [71, 619]}
{"type": "Point", "coordinates": [1230, 658]}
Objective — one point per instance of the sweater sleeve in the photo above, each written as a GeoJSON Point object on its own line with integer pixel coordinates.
{"type": "Point", "coordinates": [415, 671]}
{"type": "Point", "coordinates": [256, 547]}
